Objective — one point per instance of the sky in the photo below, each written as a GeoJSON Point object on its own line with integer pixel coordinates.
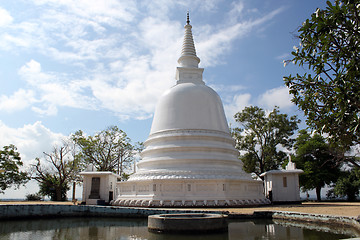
{"type": "Point", "coordinates": [86, 65]}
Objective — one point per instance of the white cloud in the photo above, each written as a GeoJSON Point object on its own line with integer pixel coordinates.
{"type": "Point", "coordinates": [136, 96]}
{"type": "Point", "coordinates": [33, 75]}
{"type": "Point", "coordinates": [9, 42]}
{"type": "Point", "coordinates": [5, 17]}
{"type": "Point", "coordinates": [20, 100]}
{"type": "Point", "coordinates": [226, 88]}
{"type": "Point", "coordinates": [133, 87]}
{"type": "Point", "coordinates": [31, 140]}
{"type": "Point", "coordinates": [354, 151]}
{"type": "Point", "coordinates": [236, 11]}
{"type": "Point", "coordinates": [276, 97]}
{"type": "Point", "coordinates": [49, 110]}
{"type": "Point", "coordinates": [213, 45]}
{"type": "Point", "coordinates": [283, 57]}
{"type": "Point", "coordinates": [104, 11]}
{"type": "Point", "coordinates": [126, 59]}
{"type": "Point", "coordinates": [237, 104]}
{"type": "Point", "coordinates": [54, 91]}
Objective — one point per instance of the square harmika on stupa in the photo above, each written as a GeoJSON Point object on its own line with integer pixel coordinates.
{"type": "Point", "coordinates": [189, 158]}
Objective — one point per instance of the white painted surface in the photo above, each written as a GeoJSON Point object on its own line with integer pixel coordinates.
{"type": "Point", "coordinates": [108, 183]}
{"type": "Point", "coordinates": [189, 158]}
{"type": "Point", "coordinates": [189, 106]}
{"type": "Point", "coordinates": [190, 192]}
{"type": "Point", "coordinates": [275, 180]}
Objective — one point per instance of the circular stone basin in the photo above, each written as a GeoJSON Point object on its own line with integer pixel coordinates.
{"type": "Point", "coordinates": [188, 223]}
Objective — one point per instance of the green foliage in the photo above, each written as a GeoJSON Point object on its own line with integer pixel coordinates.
{"type": "Point", "coordinates": [261, 135]}
{"type": "Point", "coordinates": [348, 185]}
{"type": "Point", "coordinates": [108, 150]}
{"type": "Point", "coordinates": [56, 170]}
{"type": "Point", "coordinates": [329, 92]}
{"type": "Point", "coordinates": [33, 197]}
{"type": "Point", "coordinates": [314, 157]}
{"type": "Point", "coordinates": [54, 187]}
{"type": "Point", "coordinates": [10, 163]}
{"type": "Point", "coordinates": [125, 176]}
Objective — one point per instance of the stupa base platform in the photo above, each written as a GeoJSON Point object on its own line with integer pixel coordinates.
{"type": "Point", "coordinates": [188, 203]}
{"type": "Point", "coordinates": [190, 193]}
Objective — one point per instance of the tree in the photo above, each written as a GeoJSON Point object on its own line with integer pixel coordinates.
{"type": "Point", "coordinates": [329, 92]}
{"type": "Point", "coordinates": [108, 150]}
{"type": "Point", "coordinates": [261, 136]}
{"type": "Point", "coordinates": [10, 164]}
{"type": "Point", "coordinates": [314, 157]}
{"type": "Point", "coordinates": [348, 184]}
{"type": "Point", "coordinates": [57, 169]}
{"type": "Point", "coordinates": [50, 185]}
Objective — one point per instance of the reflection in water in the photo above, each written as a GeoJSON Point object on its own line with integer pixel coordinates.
{"type": "Point", "coordinates": [136, 229]}
{"type": "Point", "coordinates": [268, 229]}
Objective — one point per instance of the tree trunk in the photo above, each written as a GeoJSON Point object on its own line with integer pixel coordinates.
{"type": "Point", "coordinates": [121, 164]}
{"type": "Point", "coordinates": [318, 193]}
{"type": "Point", "coordinates": [351, 196]}
{"type": "Point", "coordinates": [74, 190]}
{"type": "Point", "coordinates": [58, 193]}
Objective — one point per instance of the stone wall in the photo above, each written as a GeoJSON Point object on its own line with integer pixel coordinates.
{"type": "Point", "coordinates": [43, 211]}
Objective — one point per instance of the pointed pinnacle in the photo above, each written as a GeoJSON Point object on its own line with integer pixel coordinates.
{"type": "Point", "coordinates": [187, 18]}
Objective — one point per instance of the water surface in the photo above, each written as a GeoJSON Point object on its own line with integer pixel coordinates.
{"type": "Point", "coordinates": [136, 229]}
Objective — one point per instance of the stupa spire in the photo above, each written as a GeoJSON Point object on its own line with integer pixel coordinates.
{"type": "Point", "coordinates": [188, 56]}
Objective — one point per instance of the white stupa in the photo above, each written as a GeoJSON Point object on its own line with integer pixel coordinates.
{"type": "Point", "coordinates": [189, 157]}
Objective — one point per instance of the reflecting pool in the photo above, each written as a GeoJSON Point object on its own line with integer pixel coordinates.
{"type": "Point", "coordinates": [136, 229]}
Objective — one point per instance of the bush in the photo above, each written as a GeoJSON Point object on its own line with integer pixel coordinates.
{"type": "Point", "coordinates": [33, 197]}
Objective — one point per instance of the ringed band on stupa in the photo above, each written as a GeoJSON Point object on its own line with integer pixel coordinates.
{"type": "Point", "coordinates": [189, 157]}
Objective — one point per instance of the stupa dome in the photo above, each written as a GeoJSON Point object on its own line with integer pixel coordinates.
{"type": "Point", "coordinates": [189, 106]}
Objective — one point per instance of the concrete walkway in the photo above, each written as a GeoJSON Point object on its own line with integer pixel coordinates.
{"type": "Point", "coordinates": [344, 209]}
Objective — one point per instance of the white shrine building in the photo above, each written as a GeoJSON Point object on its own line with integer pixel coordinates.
{"type": "Point", "coordinates": [189, 157]}
{"type": "Point", "coordinates": [283, 185]}
{"type": "Point", "coordinates": [99, 188]}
